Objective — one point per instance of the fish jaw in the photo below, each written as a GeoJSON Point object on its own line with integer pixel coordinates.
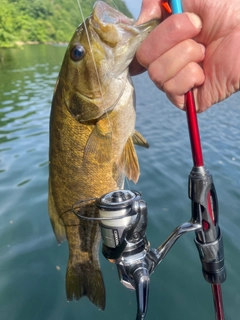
{"type": "Point", "coordinates": [119, 32]}
{"type": "Point", "coordinates": [94, 85]}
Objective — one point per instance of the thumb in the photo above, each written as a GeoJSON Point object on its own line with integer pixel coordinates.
{"type": "Point", "coordinates": [151, 9]}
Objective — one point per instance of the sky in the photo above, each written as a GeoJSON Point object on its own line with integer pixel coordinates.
{"type": "Point", "coordinates": [134, 7]}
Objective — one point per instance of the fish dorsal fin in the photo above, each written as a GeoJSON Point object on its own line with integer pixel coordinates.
{"type": "Point", "coordinates": [99, 145]}
{"type": "Point", "coordinates": [139, 140]}
{"type": "Point", "coordinates": [128, 162]}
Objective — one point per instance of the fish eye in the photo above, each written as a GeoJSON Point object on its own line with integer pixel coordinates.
{"type": "Point", "coordinates": [77, 52]}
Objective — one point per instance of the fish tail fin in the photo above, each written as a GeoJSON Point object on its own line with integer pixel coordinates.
{"type": "Point", "coordinates": [85, 279]}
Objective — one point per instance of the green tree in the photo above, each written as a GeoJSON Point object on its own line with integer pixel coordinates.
{"type": "Point", "coordinates": [7, 23]}
{"type": "Point", "coordinates": [44, 20]}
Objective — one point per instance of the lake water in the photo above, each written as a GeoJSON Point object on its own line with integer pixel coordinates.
{"type": "Point", "coordinates": [32, 267]}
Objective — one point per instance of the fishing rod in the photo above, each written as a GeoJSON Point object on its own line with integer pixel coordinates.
{"type": "Point", "coordinates": [123, 219]}
{"type": "Point", "coordinates": [204, 198]}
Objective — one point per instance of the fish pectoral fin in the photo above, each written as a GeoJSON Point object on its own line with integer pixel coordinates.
{"type": "Point", "coordinates": [56, 221]}
{"type": "Point", "coordinates": [99, 146]}
{"type": "Point", "coordinates": [128, 162]}
{"type": "Point", "coordinates": [139, 140]}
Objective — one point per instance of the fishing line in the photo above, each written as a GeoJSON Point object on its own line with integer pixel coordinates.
{"type": "Point", "coordinates": [96, 70]}
{"type": "Point", "coordinates": [78, 204]}
{"type": "Point", "coordinates": [64, 224]}
{"type": "Point", "coordinates": [127, 181]}
{"type": "Point", "coordinates": [94, 61]}
{"type": "Point", "coordinates": [115, 5]}
{"type": "Point", "coordinates": [89, 42]}
{"type": "Point", "coordinates": [76, 210]}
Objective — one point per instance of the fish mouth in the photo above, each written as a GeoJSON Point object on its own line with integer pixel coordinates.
{"type": "Point", "coordinates": [114, 39]}
{"type": "Point", "coordinates": [118, 34]}
{"type": "Point", "coordinates": [111, 24]}
{"type": "Point", "coordinates": [109, 15]}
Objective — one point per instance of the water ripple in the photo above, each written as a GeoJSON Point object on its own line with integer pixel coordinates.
{"type": "Point", "coordinates": [29, 253]}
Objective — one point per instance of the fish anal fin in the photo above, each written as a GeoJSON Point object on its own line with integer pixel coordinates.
{"type": "Point", "coordinates": [56, 221]}
{"type": "Point", "coordinates": [139, 140]}
{"type": "Point", "coordinates": [86, 279]}
{"type": "Point", "coordinates": [128, 162]}
{"type": "Point", "coordinates": [99, 145]}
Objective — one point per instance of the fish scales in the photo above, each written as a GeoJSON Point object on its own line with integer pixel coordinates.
{"type": "Point", "coordinates": [92, 132]}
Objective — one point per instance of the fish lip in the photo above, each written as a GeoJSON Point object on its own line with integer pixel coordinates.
{"type": "Point", "coordinates": [137, 29]}
{"type": "Point", "coordinates": [111, 25]}
{"type": "Point", "coordinates": [108, 15]}
{"type": "Point", "coordinates": [147, 25]}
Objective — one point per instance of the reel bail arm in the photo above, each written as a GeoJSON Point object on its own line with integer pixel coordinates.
{"type": "Point", "coordinates": [123, 229]}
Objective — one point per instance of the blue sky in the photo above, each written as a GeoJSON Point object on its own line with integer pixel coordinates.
{"type": "Point", "coordinates": [134, 6]}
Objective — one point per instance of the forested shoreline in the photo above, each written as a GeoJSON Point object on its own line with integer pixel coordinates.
{"type": "Point", "coordinates": [43, 21]}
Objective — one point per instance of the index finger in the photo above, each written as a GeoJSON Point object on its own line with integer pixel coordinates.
{"type": "Point", "coordinates": [165, 36]}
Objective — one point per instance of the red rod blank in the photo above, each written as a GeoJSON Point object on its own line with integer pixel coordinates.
{"type": "Point", "coordinates": [198, 162]}
{"type": "Point", "coordinates": [193, 130]}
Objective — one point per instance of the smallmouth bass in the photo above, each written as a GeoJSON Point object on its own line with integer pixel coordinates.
{"type": "Point", "coordinates": [92, 137]}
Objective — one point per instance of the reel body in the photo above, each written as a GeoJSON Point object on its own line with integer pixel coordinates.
{"type": "Point", "coordinates": [123, 222]}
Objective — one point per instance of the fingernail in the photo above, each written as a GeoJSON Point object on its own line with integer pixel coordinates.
{"type": "Point", "coordinates": [195, 99]}
{"type": "Point", "coordinates": [203, 48]}
{"type": "Point", "coordinates": [181, 106]}
{"type": "Point", "coordinates": [196, 21]}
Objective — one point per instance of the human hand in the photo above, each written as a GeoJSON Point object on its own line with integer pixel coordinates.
{"type": "Point", "coordinates": [176, 63]}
